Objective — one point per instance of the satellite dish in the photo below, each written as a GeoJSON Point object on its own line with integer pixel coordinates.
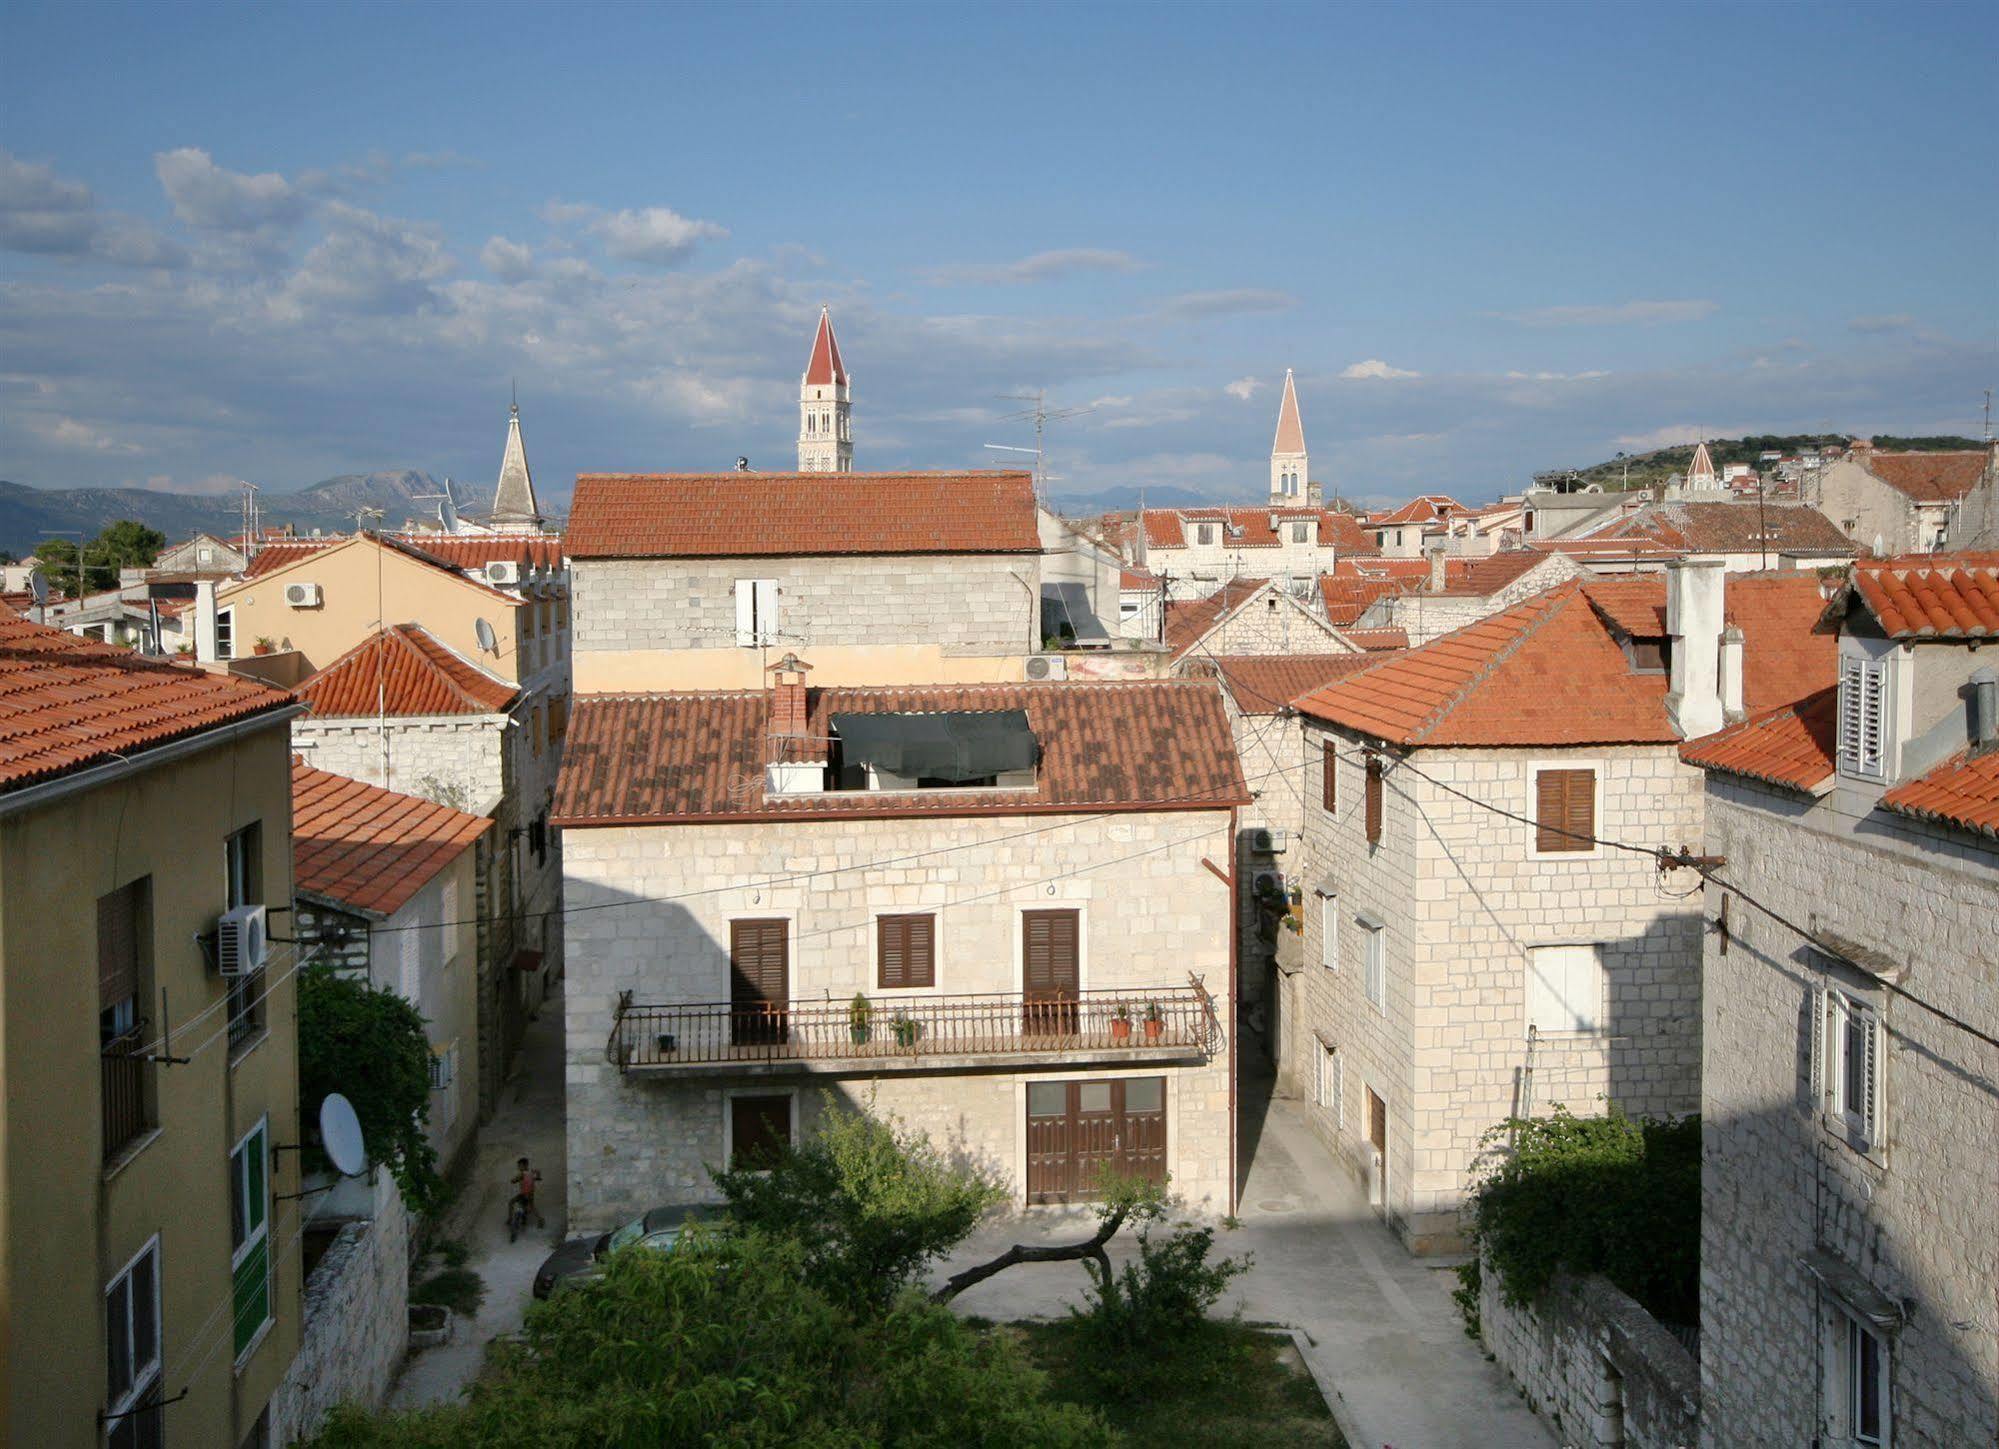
{"type": "Point", "coordinates": [340, 1134]}
{"type": "Point", "coordinates": [488, 640]}
{"type": "Point", "coordinates": [38, 585]}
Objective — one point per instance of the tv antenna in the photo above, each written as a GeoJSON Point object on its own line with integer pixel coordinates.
{"type": "Point", "coordinates": [249, 519]}
{"type": "Point", "coordinates": [1988, 416]}
{"type": "Point", "coordinates": [1042, 416]}
{"type": "Point", "coordinates": [447, 506]}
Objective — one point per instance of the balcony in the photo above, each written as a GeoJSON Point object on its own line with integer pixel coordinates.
{"type": "Point", "coordinates": [917, 1033]}
{"type": "Point", "coordinates": [127, 1074]}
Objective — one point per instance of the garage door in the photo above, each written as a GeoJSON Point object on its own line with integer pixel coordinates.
{"type": "Point", "coordinates": [1077, 1129]}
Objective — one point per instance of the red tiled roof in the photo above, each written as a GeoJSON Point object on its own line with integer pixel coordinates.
{"type": "Point", "coordinates": [1634, 603]}
{"type": "Point", "coordinates": [1932, 596]}
{"type": "Point", "coordinates": [1354, 584]}
{"type": "Point", "coordinates": [1928, 477]}
{"type": "Point", "coordinates": [682, 758]}
{"type": "Point", "coordinates": [1376, 640]}
{"type": "Point", "coordinates": [1427, 509]}
{"type": "Point", "coordinates": [273, 556]}
{"type": "Point", "coordinates": [66, 703]}
{"type": "Point", "coordinates": [1267, 683]}
{"type": "Point", "coordinates": [1785, 655]}
{"type": "Point", "coordinates": [1136, 579]}
{"type": "Point", "coordinates": [1485, 576]}
{"type": "Point", "coordinates": [1187, 620]}
{"type": "Point", "coordinates": [1167, 527]}
{"type": "Point", "coordinates": [825, 368]}
{"type": "Point", "coordinates": [402, 671]}
{"type": "Point", "coordinates": [474, 551]}
{"type": "Point", "coordinates": [367, 848]}
{"type": "Point", "coordinates": [1791, 745]}
{"type": "Point", "coordinates": [742, 515]}
{"type": "Point", "coordinates": [1961, 791]}
{"type": "Point", "coordinates": [1606, 548]}
{"type": "Point", "coordinates": [1731, 527]}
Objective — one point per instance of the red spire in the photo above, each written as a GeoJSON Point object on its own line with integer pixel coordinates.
{"type": "Point", "coordinates": [825, 369]}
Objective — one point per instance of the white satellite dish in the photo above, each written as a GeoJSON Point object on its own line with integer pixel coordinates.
{"type": "Point", "coordinates": [340, 1134]}
{"type": "Point", "coordinates": [488, 640]}
{"type": "Point", "coordinates": [38, 585]}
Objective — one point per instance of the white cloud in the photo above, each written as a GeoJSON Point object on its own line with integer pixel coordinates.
{"type": "Point", "coordinates": [1588, 376]}
{"type": "Point", "coordinates": [1377, 370]}
{"type": "Point", "coordinates": [41, 212]}
{"type": "Point", "coordinates": [1673, 435]}
{"type": "Point", "coordinates": [1614, 314]}
{"type": "Point", "coordinates": [1041, 267]}
{"type": "Point", "coordinates": [1242, 389]}
{"type": "Point", "coordinates": [213, 198]}
{"type": "Point", "coordinates": [510, 261]}
{"type": "Point", "coordinates": [367, 263]}
{"type": "Point", "coordinates": [73, 436]}
{"type": "Point", "coordinates": [654, 235]}
{"type": "Point", "coordinates": [1226, 303]}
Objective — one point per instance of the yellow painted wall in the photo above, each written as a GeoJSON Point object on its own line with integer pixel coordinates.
{"type": "Point", "coordinates": [448, 605]}
{"type": "Point", "coordinates": [68, 1226]}
{"type": "Point", "coordinates": [639, 671]}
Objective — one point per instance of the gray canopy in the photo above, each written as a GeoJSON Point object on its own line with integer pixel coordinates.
{"type": "Point", "coordinates": [950, 746]}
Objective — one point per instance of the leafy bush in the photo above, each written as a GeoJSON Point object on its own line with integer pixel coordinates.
{"type": "Point", "coordinates": [370, 1045]}
{"type": "Point", "coordinates": [457, 1288]}
{"type": "Point", "coordinates": [870, 1203]}
{"type": "Point", "coordinates": [1610, 1195]}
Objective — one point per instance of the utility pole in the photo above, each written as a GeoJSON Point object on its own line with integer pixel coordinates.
{"type": "Point", "coordinates": [361, 515]}
{"type": "Point", "coordinates": [1042, 417]}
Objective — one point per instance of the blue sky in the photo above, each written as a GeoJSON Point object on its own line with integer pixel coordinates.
{"type": "Point", "coordinates": [280, 243]}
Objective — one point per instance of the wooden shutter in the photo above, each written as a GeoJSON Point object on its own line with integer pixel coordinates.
{"type": "Point", "coordinates": [1374, 799]}
{"type": "Point", "coordinates": [1329, 777]}
{"type": "Point", "coordinates": [120, 919]}
{"type": "Point", "coordinates": [759, 962]}
{"type": "Point", "coordinates": [1050, 962]}
{"type": "Point", "coordinates": [1819, 1005]}
{"type": "Point", "coordinates": [906, 952]}
{"type": "Point", "coordinates": [1564, 810]}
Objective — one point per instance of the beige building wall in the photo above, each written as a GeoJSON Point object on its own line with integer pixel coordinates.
{"type": "Point", "coordinates": [1291, 626]}
{"type": "Point", "coordinates": [1875, 516]}
{"type": "Point", "coordinates": [68, 1221]}
{"type": "Point", "coordinates": [429, 953]}
{"type": "Point", "coordinates": [652, 906]}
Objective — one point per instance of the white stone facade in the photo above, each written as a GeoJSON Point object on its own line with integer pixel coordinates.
{"type": "Point", "coordinates": [1150, 914]}
{"type": "Point", "coordinates": [1460, 896]}
{"type": "Point", "coordinates": [1273, 621]}
{"type": "Point", "coordinates": [1913, 1216]}
{"type": "Point", "coordinates": [1197, 569]}
{"type": "Point", "coordinates": [1425, 616]}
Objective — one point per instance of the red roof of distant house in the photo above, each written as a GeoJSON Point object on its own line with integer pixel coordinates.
{"type": "Point", "coordinates": [696, 758]}
{"type": "Point", "coordinates": [1791, 745]}
{"type": "Point", "coordinates": [1785, 654]}
{"type": "Point", "coordinates": [1729, 527]}
{"type": "Point", "coordinates": [1376, 640]}
{"type": "Point", "coordinates": [1267, 683]}
{"type": "Point", "coordinates": [367, 848]}
{"type": "Point", "coordinates": [1932, 596]}
{"type": "Point", "coordinates": [1961, 791]}
{"type": "Point", "coordinates": [1136, 579]}
{"type": "Point", "coordinates": [825, 367]}
{"type": "Point", "coordinates": [1187, 620]}
{"type": "Point", "coordinates": [1634, 603]}
{"type": "Point", "coordinates": [1252, 527]}
{"type": "Point", "coordinates": [1484, 576]}
{"type": "Point", "coordinates": [474, 551]}
{"type": "Point", "coordinates": [1602, 549]}
{"type": "Point", "coordinates": [275, 556]}
{"type": "Point", "coordinates": [67, 703]}
{"type": "Point", "coordinates": [1428, 508]}
{"type": "Point", "coordinates": [742, 515]}
{"type": "Point", "coordinates": [279, 553]}
{"type": "Point", "coordinates": [403, 672]}
{"type": "Point", "coordinates": [1928, 477]}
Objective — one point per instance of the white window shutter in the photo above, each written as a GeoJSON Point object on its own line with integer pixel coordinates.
{"type": "Point", "coordinates": [1870, 1107]}
{"type": "Point", "coordinates": [1820, 1078]}
{"type": "Point", "coordinates": [766, 593]}
{"type": "Point", "coordinates": [1339, 1090]}
{"type": "Point", "coordinates": [746, 613]}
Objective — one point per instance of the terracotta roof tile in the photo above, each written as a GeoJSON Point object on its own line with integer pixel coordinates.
{"type": "Point", "coordinates": [1429, 508]}
{"type": "Point", "coordinates": [1961, 791]}
{"type": "Point", "coordinates": [746, 515]}
{"type": "Point", "coordinates": [1928, 477]}
{"type": "Point", "coordinates": [1485, 576]}
{"type": "Point", "coordinates": [1376, 640]}
{"type": "Point", "coordinates": [1187, 620]}
{"type": "Point", "coordinates": [1634, 604]}
{"type": "Point", "coordinates": [1267, 683]}
{"type": "Point", "coordinates": [403, 671]}
{"type": "Point", "coordinates": [1167, 527]}
{"type": "Point", "coordinates": [368, 848]}
{"type": "Point", "coordinates": [271, 557]}
{"type": "Point", "coordinates": [67, 703]}
{"type": "Point", "coordinates": [1731, 527]}
{"type": "Point", "coordinates": [1785, 654]}
{"type": "Point", "coordinates": [680, 758]}
{"type": "Point", "coordinates": [474, 551]}
{"type": "Point", "coordinates": [1932, 596]}
{"type": "Point", "coordinates": [1791, 745]}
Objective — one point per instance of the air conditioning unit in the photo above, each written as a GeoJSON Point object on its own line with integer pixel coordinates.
{"type": "Point", "coordinates": [240, 942]}
{"type": "Point", "coordinates": [503, 571]}
{"type": "Point", "coordinates": [1267, 882]}
{"type": "Point", "coordinates": [1047, 666]}
{"type": "Point", "coordinates": [1269, 842]}
{"type": "Point", "coordinates": [302, 596]}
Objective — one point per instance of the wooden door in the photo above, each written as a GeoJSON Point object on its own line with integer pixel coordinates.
{"type": "Point", "coordinates": [1050, 972]}
{"type": "Point", "coordinates": [759, 982]}
{"type": "Point", "coordinates": [1142, 1128]}
{"type": "Point", "coordinates": [1049, 1133]}
{"type": "Point", "coordinates": [1377, 1133]}
{"type": "Point", "coordinates": [1077, 1129]}
{"type": "Point", "coordinates": [1095, 1109]}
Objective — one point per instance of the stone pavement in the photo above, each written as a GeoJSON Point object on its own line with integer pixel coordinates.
{"type": "Point", "coordinates": [528, 1122]}
{"type": "Point", "coordinates": [1381, 1333]}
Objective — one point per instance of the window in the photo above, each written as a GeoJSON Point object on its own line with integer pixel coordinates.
{"type": "Point", "coordinates": [1862, 685]}
{"type": "Point", "coordinates": [1374, 949]}
{"type": "Point", "coordinates": [1329, 931]}
{"type": "Point", "coordinates": [132, 1351]}
{"type": "Point", "coordinates": [759, 1128]}
{"type": "Point", "coordinates": [1300, 532]}
{"type": "Point", "coordinates": [1866, 1384]}
{"type": "Point", "coordinates": [1848, 1049]}
{"type": "Point", "coordinates": [124, 974]}
{"type": "Point", "coordinates": [1564, 988]}
{"type": "Point", "coordinates": [756, 612]}
{"type": "Point", "coordinates": [906, 952]}
{"type": "Point", "coordinates": [1564, 811]}
{"type": "Point", "coordinates": [225, 633]}
{"type": "Point", "coordinates": [249, 1236]}
{"type": "Point", "coordinates": [1374, 799]}
{"type": "Point", "coordinates": [243, 864]}
{"type": "Point", "coordinates": [1329, 777]}
{"type": "Point", "coordinates": [558, 718]}
{"type": "Point", "coordinates": [1327, 1089]}
{"type": "Point", "coordinates": [1204, 533]}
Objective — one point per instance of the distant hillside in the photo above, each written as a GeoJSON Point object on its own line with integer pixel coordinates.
{"type": "Point", "coordinates": [1646, 469]}
{"type": "Point", "coordinates": [29, 515]}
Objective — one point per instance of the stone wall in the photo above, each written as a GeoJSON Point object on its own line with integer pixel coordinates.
{"type": "Point", "coordinates": [1150, 915]}
{"type": "Point", "coordinates": [1194, 571]}
{"type": "Point", "coordinates": [356, 1321]}
{"type": "Point", "coordinates": [1292, 627]}
{"type": "Point", "coordinates": [1425, 616]}
{"type": "Point", "coordinates": [455, 761]}
{"type": "Point", "coordinates": [1913, 1219]}
{"type": "Point", "coordinates": [1594, 1364]}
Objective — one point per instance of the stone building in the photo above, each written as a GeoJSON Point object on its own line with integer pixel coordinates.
{"type": "Point", "coordinates": [1748, 535]}
{"type": "Point", "coordinates": [1849, 1247]}
{"type": "Point", "coordinates": [1453, 591]}
{"type": "Point", "coordinates": [700, 581]}
{"type": "Point", "coordinates": [1252, 616]}
{"type": "Point", "coordinates": [1472, 947]}
{"type": "Point", "coordinates": [1895, 503]}
{"type": "Point", "coordinates": [1195, 551]}
{"type": "Point", "coordinates": [1406, 531]}
{"type": "Point", "coordinates": [1001, 912]}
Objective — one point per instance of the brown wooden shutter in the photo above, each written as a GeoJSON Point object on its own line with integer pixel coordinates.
{"type": "Point", "coordinates": [1374, 799]}
{"type": "Point", "coordinates": [120, 923]}
{"type": "Point", "coordinates": [906, 953]}
{"type": "Point", "coordinates": [1049, 941]}
{"type": "Point", "coordinates": [1329, 777]}
{"type": "Point", "coordinates": [759, 962]}
{"type": "Point", "coordinates": [1564, 810]}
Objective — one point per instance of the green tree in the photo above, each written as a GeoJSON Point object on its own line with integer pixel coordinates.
{"type": "Point", "coordinates": [127, 543]}
{"type": "Point", "coordinates": [370, 1046]}
{"type": "Point", "coordinates": [726, 1341]}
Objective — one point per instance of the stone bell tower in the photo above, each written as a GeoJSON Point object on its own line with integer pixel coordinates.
{"type": "Point", "coordinates": [825, 407]}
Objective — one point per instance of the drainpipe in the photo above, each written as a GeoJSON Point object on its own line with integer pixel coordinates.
{"type": "Point", "coordinates": [1235, 1005]}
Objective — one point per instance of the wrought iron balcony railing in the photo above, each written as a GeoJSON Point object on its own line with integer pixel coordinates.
{"type": "Point", "coordinates": [127, 1072]}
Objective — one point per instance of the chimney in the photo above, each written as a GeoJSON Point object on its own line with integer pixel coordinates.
{"type": "Point", "coordinates": [1731, 674]}
{"type": "Point", "coordinates": [204, 621]}
{"type": "Point", "coordinates": [1982, 711]}
{"type": "Point", "coordinates": [1315, 494]}
{"type": "Point", "coordinates": [794, 763]}
{"type": "Point", "coordinates": [1694, 619]}
{"type": "Point", "coordinates": [1437, 555]}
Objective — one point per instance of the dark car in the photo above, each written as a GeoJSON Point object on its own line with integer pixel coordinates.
{"type": "Point", "coordinates": [582, 1258]}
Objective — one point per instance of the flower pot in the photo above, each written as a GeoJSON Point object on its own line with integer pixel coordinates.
{"type": "Point", "coordinates": [860, 1034]}
{"type": "Point", "coordinates": [906, 1033]}
{"type": "Point", "coordinates": [260, 648]}
{"type": "Point", "coordinates": [1120, 1029]}
{"type": "Point", "coordinates": [1153, 1028]}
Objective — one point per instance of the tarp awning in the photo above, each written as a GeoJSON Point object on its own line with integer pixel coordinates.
{"type": "Point", "coordinates": [961, 745]}
{"type": "Point", "coordinates": [1066, 601]}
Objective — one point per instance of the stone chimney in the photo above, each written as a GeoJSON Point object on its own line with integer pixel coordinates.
{"type": "Point", "coordinates": [795, 763]}
{"type": "Point", "coordinates": [1731, 674]}
{"type": "Point", "coordinates": [205, 650]}
{"type": "Point", "coordinates": [1694, 619]}
{"type": "Point", "coordinates": [1437, 555]}
{"type": "Point", "coordinates": [1981, 712]}
{"type": "Point", "coordinates": [1315, 494]}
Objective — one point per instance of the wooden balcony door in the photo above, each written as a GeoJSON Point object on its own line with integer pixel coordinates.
{"type": "Point", "coordinates": [1077, 1129]}
{"type": "Point", "coordinates": [1377, 1133]}
{"type": "Point", "coordinates": [1051, 973]}
{"type": "Point", "coordinates": [759, 982]}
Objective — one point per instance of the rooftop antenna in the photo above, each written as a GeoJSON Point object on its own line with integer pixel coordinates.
{"type": "Point", "coordinates": [1988, 416]}
{"type": "Point", "coordinates": [249, 519]}
{"type": "Point", "coordinates": [447, 508]}
{"type": "Point", "coordinates": [1042, 418]}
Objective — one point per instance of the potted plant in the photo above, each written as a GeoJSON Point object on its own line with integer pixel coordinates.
{"type": "Point", "coordinates": [1121, 1023]}
{"type": "Point", "coordinates": [1154, 1023]}
{"type": "Point", "coordinates": [264, 645]}
{"type": "Point", "coordinates": [859, 1013]}
{"type": "Point", "coordinates": [906, 1030]}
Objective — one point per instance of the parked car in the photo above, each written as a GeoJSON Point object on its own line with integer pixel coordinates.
{"type": "Point", "coordinates": [581, 1259]}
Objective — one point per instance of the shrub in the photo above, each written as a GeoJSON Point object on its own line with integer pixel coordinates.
{"type": "Point", "coordinates": [371, 1046]}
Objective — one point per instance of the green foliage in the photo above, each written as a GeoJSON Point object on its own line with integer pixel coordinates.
{"type": "Point", "coordinates": [454, 1252]}
{"type": "Point", "coordinates": [870, 1203]}
{"type": "Point", "coordinates": [1470, 1279]}
{"type": "Point", "coordinates": [123, 544]}
{"type": "Point", "coordinates": [1135, 1323]}
{"type": "Point", "coordinates": [1610, 1195]}
{"type": "Point", "coordinates": [724, 1341]}
{"type": "Point", "coordinates": [457, 1288]}
{"type": "Point", "coordinates": [370, 1046]}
